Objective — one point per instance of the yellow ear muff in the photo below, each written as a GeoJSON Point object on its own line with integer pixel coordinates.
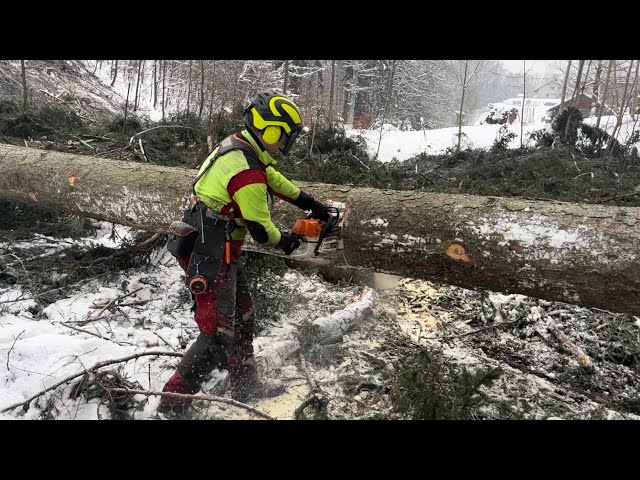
{"type": "Point", "coordinates": [271, 135]}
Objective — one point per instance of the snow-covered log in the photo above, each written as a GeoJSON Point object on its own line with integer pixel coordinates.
{"type": "Point", "coordinates": [578, 253]}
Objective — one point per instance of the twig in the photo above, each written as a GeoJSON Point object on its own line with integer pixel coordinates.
{"type": "Point", "coordinates": [579, 354]}
{"type": "Point", "coordinates": [160, 126]}
{"type": "Point", "coordinates": [585, 173]}
{"type": "Point", "coordinates": [14, 343]}
{"type": "Point", "coordinates": [167, 343]}
{"type": "Point", "coordinates": [117, 299]}
{"type": "Point", "coordinates": [142, 150]}
{"type": "Point", "coordinates": [315, 395]}
{"type": "Point", "coordinates": [85, 143]}
{"type": "Point", "coordinates": [88, 370]}
{"type": "Point", "coordinates": [96, 335]}
{"type": "Point", "coordinates": [472, 332]}
{"type": "Point", "coordinates": [621, 196]}
{"type": "Point", "coordinates": [126, 304]}
{"type": "Point", "coordinates": [208, 398]}
{"type": "Point", "coordinates": [432, 182]}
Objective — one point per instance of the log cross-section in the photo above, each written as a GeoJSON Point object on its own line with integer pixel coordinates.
{"type": "Point", "coordinates": [578, 253]}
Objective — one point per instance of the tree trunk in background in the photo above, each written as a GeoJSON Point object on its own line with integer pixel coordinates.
{"type": "Point", "coordinates": [135, 99]}
{"type": "Point", "coordinates": [115, 74]}
{"type": "Point", "coordinates": [616, 100]}
{"type": "Point", "coordinates": [578, 253]}
{"type": "Point", "coordinates": [464, 86]}
{"type": "Point", "coordinates": [285, 84]}
{"type": "Point", "coordinates": [164, 76]}
{"type": "Point", "coordinates": [566, 81]}
{"type": "Point", "coordinates": [524, 95]}
{"type": "Point", "coordinates": [25, 93]}
{"type": "Point", "coordinates": [620, 115]}
{"type": "Point", "coordinates": [213, 88]}
{"type": "Point", "coordinates": [604, 95]}
{"type": "Point", "coordinates": [574, 96]}
{"type": "Point", "coordinates": [586, 79]}
{"type": "Point", "coordinates": [331, 92]}
{"type": "Point", "coordinates": [155, 83]}
{"type": "Point", "coordinates": [596, 89]}
{"type": "Point", "coordinates": [634, 103]}
{"type": "Point", "coordinates": [189, 88]}
{"type": "Point", "coordinates": [201, 89]}
{"type": "Point", "coordinates": [576, 90]}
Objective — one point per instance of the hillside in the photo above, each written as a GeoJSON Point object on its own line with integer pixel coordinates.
{"type": "Point", "coordinates": [62, 83]}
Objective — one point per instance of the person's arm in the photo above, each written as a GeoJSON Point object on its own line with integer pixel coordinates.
{"type": "Point", "coordinates": [284, 189]}
{"type": "Point", "coordinates": [248, 190]}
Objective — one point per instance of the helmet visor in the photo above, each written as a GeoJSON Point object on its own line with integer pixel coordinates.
{"type": "Point", "coordinates": [291, 138]}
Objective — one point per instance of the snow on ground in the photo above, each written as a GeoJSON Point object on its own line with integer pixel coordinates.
{"type": "Point", "coordinates": [402, 145]}
{"type": "Point", "coordinates": [350, 360]}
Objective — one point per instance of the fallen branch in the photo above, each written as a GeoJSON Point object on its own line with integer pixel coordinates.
{"type": "Point", "coordinates": [14, 343]}
{"type": "Point", "coordinates": [126, 304]}
{"type": "Point", "coordinates": [95, 334]}
{"type": "Point", "coordinates": [117, 299]}
{"type": "Point", "coordinates": [316, 396]}
{"type": "Point", "coordinates": [104, 363]}
{"type": "Point", "coordinates": [573, 348]}
{"type": "Point", "coordinates": [208, 398]}
{"type": "Point", "coordinates": [473, 331]}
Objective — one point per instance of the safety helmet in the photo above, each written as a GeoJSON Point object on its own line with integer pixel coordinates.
{"type": "Point", "coordinates": [274, 115]}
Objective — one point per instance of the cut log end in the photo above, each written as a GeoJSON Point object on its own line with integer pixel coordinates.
{"type": "Point", "coordinates": [458, 252]}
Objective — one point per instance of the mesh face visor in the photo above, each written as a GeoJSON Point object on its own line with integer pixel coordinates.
{"type": "Point", "coordinates": [291, 138]}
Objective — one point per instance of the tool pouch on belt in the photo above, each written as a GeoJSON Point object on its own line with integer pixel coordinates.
{"type": "Point", "coordinates": [208, 253]}
{"type": "Point", "coordinates": [182, 234]}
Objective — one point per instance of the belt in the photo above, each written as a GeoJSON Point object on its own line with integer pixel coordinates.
{"type": "Point", "coordinates": [215, 215]}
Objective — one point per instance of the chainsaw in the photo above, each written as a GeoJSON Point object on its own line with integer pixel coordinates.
{"type": "Point", "coordinates": [318, 237]}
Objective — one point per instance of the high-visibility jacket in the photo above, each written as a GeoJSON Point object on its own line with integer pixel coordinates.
{"type": "Point", "coordinates": [237, 185]}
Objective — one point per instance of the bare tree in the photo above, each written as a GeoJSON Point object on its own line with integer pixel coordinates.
{"type": "Point", "coordinates": [634, 103]}
{"type": "Point", "coordinates": [390, 66]}
{"type": "Point", "coordinates": [189, 88]}
{"type": "Point", "coordinates": [566, 81]}
{"type": "Point", "coordinates": [285, 84]}
{"type": "Point", "coordinates": [331, 92]}
{"type": "Point", "coordinates": [135, 100]}
{"type": "Point", "coordinates": [115, 74]}
{"type": "Point", "coordinates": [155, 83]}
{"type": "Point", "coordinates": [25, 93]}
{"type": "Point", "coordinates": [164, 76]}
{"type": "Point", "coordinates": [201, 88]}
{"type": "Point", "coordinates": [604, 95]}
{"type": "Point", "coordinates": [464, 79]}
{"type": "Point", "coordinates": [620, 114]}
{"type": "Point", "coordinates": [213, 88]}
{"type": "Point", "coordinates": [596, 89]}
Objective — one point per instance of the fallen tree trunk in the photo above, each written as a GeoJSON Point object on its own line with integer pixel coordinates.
{"type": "Point", "coordinates": [577, 253]}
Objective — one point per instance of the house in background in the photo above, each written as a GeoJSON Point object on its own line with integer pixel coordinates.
{"type": "Point", "coordinates": [584, 103]}
{"type": "Point", "coordinates": [550, 89]}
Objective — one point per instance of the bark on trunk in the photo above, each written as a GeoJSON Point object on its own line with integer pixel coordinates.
{"type": "Point", "coordinates": [578, 253]}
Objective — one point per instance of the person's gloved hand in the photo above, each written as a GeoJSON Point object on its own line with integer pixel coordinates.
{"type": "Point", "coordinates": [289, 242]}
{"type": "Point", "coordinates": [320, 211]}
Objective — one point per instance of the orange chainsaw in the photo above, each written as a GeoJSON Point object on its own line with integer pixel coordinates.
{"type": "Point", "coordinates": [318, 237]}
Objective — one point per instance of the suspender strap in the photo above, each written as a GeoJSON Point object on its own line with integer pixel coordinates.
{"type": "Point", "coordinates": [233, 142]}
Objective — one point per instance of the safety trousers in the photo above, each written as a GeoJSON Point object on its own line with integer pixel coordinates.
{"type": "Point", "coordinates": [225, 318]}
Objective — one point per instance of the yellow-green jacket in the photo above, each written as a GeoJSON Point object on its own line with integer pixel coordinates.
{"type": "Point", "coordinates": [236, 185]}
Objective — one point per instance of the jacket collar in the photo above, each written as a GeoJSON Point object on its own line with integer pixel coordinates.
{"type": "Point", "coordinates": [263, 155]}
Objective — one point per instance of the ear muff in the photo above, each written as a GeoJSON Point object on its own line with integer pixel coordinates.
{"type": "Point", "coordinates": [271, 134]}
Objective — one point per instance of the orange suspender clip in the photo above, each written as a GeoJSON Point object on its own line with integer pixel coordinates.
{"type": "Point", "coordinates": [227, 251]}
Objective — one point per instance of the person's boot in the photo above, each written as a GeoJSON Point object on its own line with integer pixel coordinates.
{"type": "Point", "coordinates": [244, 382]}
{"type": "Point", "coordinates": [173, 407]}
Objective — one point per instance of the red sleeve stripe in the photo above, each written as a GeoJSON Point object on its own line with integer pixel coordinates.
{"type": "Point", "coordinates": [244, 178]}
